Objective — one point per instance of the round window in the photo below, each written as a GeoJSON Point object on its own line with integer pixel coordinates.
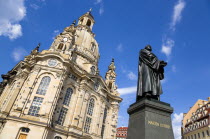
{"type": "Point", "coordinates": [52, 62]}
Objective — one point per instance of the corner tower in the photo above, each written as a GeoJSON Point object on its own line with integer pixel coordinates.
{"type": "Point", "coordinates": [110, 78]}
{"type": "Point", "coordinates": [58, 93]}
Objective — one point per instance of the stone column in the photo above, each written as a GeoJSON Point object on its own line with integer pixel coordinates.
{"type": "Point", "coordinates": [83, 110]}
{"type": "Point", "coordinates": [78, 107]}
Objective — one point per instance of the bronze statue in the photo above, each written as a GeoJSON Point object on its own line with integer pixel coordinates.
{"type": "Point", "coordinates": [150, 72]}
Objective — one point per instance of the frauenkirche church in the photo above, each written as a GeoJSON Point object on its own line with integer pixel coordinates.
{"type": "Point", "coordinates": [58, 93]}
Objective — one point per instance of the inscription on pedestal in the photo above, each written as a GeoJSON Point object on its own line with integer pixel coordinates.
{"type": "Point", "coordinates": [159, 124]}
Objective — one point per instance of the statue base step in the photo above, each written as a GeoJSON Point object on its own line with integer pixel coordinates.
{"type": "Point", "coordinates": [150, 119]}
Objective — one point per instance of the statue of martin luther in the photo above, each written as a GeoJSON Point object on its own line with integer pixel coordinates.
{"type": "Point", "coordinates": [150, 72]}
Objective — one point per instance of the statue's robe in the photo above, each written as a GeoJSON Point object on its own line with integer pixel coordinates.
{"type": "Point", "coordinates": [149, 75]}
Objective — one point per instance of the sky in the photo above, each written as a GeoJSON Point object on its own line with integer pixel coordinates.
{"type": "Point", "coordinates": [178, 31]}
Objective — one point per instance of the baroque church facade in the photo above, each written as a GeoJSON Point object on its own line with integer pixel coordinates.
{"type": "Point", "coordinates": [58, 93]}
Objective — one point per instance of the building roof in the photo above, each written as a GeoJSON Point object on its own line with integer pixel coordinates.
{"type": "Point", "coordinates": [122, 128]}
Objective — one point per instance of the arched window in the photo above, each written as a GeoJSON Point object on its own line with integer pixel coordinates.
{"type": "Point", "coordinates": [57, 137]}
{"type": "Point", "coordinates": [91, 107]}
{"type": "Point", "coordinates": [89, 115]}
{"type": "Point", "coordinates": [60, 46]}
{"type": "Point", "coordinates": [88, 23]}
{"type": "Point", "coordinates": [67, 97]}
{"type": "Point", "coordinates": [43, 85]}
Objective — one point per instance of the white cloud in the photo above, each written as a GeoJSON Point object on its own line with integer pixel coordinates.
{"type": "Point", "coordinates": [12, 12]}
{"type": "Point", "coordinates": [123, 69]}
{"type": "Point", "coordinates": [98, 1]}
{"type": "Point", "coordinates": [167, 46]}
{"type": "Point", "coordinates": [173, 68]}
{"type": "Point", "coordinates": [34, 6]}
{"type": "Point", "coordinates": [55, 33]}
{"type": "Point", "coordinates": [128, 90]}
{"type": "Point", "coordinates": [168, 43]}
{"type": "Point", "coordinates": [18, 53]}
{"type": "Point", "coordinates": [177, 13]}
{"type": "Point", "coordinates": [120, 47]}
{"type": "Point", "coordinates": [132, 76]}
{"type": "Point", "coordinates": [122, 121]}
{"type": "Point", "coordinates": [101, 10]}
{"type": "Point", "coordinates": [177, 122]}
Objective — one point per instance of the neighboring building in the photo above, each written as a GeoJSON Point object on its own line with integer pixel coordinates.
{"type": "Point", "coordinates": [58, 93]}
{"type": "Point", "coordinates": [121, 132]}
{"type": "Point", "coordinates": [196, 123]}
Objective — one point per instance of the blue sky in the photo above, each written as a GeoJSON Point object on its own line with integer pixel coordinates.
{"type": "Point", "coordinates": [178, 31]}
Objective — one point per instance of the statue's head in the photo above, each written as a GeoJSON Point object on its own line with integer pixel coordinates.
{"type": "Point", "coordinates": [148, 47]}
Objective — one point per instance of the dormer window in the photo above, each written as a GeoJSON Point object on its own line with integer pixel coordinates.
{"type": "Point", "coordinates": [81, 21]}
{"type": "Point", "coordinates": [93, 70]}
{"type": "Point", "coordinates": [60, 46]}
{"type": "Point", "coordinates": [88, 23]}
{"type": "Point", "coordinates": [92, 47]}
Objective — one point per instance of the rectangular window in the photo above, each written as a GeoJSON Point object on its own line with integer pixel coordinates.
{"type": "Point", "coordinates": [62, 116]}
{"type": "Point", "coordinates": [73, 77]}
{"type": "Point", "coordinates": [198, 135]}
{"type": "Point", "coordinates": [35, 106]}
{"type": "Point", "coordinates": [207, 132]}
{"type": "Point", "coordinates": [203, 134]}
{"type": "Point", "coordinates": [87, 124]}
{"type": "Point", "coordinates": [195, 136]}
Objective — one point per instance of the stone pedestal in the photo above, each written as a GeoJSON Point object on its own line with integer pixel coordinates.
{"type": "Point", "coordinates": [150, 119]}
